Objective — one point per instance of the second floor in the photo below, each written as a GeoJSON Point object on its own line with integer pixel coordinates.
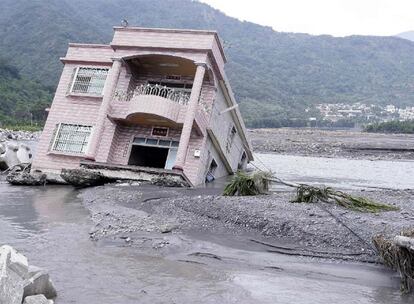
{"type": "Point", "coordinates": [155, 79]}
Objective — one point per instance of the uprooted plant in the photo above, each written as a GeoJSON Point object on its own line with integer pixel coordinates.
{"type": "Point", "coordinates": [398, 256]}
{"type": "Point", "coordinates": [256, 183]}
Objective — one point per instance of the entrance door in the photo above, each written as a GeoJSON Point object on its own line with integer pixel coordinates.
{"type": "Point", "coordinates": [172, 154]}
{"type": "Point", "coordinates": [147, 156]}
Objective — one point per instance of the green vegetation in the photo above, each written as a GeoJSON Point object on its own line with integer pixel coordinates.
{"type": "Point", "coordinates": [394, 126]}
{"type": "Point", "coordinates": [311, 194]}
{"type": "Point", "coordinates": [22, 102]}
{"type": "Point", "coordinates": [245, 184]}
{"type": "Point", "coordinates": [275, 75]}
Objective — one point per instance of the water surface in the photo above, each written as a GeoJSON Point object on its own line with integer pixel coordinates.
{"type": "Point", "coordinates": [50, 226]}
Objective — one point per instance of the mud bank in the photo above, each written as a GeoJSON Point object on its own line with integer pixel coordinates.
{"type": "Point", "coordinates": [343, 143]}
{"type": "Point", "coordinates": [270, 223]}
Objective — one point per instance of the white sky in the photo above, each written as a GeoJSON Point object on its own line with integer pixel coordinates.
{"type": "Point", "coordinates": [334, 17]}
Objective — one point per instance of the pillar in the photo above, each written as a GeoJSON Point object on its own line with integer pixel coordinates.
{"type": "Point", "coordinates": [109, 90]}
{"type": "Point", "coordinates": [189, 116]}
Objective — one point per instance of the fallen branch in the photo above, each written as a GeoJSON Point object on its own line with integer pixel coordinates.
{"type": "Point", "coordinates": [244, 184]}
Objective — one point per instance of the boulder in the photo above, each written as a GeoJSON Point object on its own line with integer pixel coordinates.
{"type": "Point", "coordinates": [18, 280]}
{"type": "Point", "coordinates": [24, 154]}
{"type": "Point", "coordinates": [38, 299]}
{"type": "Point", "coordinates": [38, 282]}
{"type": "Point", "coordinates": [23, 178]}
{"type": "Point", "coordinates": [168, 181]}
{"type": "Point", "coordinates": [13, 268]}
{"type": "Point", "coordinates": [9, 157]}
{"type": "Point", "coordinates": [84, 178]}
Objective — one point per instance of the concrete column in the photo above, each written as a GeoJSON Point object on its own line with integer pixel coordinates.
{"type": "Point", "coordinates": [189, 116]}
{"type": "Point", "coordinates": [109, 90]}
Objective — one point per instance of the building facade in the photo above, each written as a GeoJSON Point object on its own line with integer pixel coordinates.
{"type": "Point", "coordinates": [152, 98]}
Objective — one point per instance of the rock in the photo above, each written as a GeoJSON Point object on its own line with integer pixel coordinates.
{"type": "Point", "coordinates": [13, 267]}
{"type": "Point", "coordinates": [168, 181]}
{"type": "Point", "coordinates": [24, 154]}
{"type": "Point", "coordinates": [55, 179]}
{"type": "Point", "coordinates": [26, 179]}
{"type": "Point", "coordinates": [167, 228]}
{"type": "Point", "coordinates": [38, 282]}
{"type": "Point", "coordinates": [9, 157]}
{"type": "Point", "coordinates": [84, 178]}
{"type": "Point", "coordinates": [37, 299]}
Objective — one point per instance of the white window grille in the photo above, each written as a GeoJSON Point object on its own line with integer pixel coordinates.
{"type": "Point", "coordinates": [89, 81]}
{"type": "Point", "coordinates": [72, 138]}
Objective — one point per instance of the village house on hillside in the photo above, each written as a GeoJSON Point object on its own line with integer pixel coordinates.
{"type": "Point", "coordinates": [154, 100]}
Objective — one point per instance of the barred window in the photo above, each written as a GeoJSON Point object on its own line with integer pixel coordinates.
{"type": "Point", "coordinates": [71, 138]}
{"type": "Point", "coordinates": [89, 81]}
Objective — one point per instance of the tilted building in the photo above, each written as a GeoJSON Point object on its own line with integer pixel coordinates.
{"type": "Point", "coordinates": [153, 100]}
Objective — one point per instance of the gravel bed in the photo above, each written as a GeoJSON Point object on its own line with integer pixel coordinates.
{"type": "Point", "coordinates": [328, 143]}
{"type": "Point", "coordinates": [269, 219]}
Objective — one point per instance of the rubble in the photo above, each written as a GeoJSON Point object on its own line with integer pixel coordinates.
{"type": "Point", "coordinates": [23, 178]}
{"type": "Point", "coordinates": [18, 280]}
{"type": "Point", "coordinates": [84, 178]}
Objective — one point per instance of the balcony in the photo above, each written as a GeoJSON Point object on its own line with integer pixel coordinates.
{"type": "Point", "coordinates": [176, 95]}
{"type": "Point", "coordinates": [151, 104]}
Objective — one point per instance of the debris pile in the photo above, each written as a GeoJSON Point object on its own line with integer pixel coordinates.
{"type": "Point", "coordinates": [398, 254]}
{"type": "Point", "coordinates": [12, 154]}
{"type": "Point", "coordinates": [21, 283]}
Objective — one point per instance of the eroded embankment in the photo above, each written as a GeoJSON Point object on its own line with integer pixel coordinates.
{"type": "Point", "coordinates": [279, 226]}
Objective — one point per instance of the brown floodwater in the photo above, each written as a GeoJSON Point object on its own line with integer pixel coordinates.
{"type": "Point", "coordinates": [50, 226]}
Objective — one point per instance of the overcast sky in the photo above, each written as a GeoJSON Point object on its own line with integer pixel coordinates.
{"type": "Point", "coordinates": [334, 17]}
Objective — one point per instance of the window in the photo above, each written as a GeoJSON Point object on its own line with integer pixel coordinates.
{"type": "Point", "coordinates": [211, 170]}
{"type": "Point", "coordinates": [155, 142]}
{"type": "Point", "coordinates": [89, 81]}
{"type": "Point", "coordinates": [230, 138]}
{"type": "Point", "coordinates": [71, 138]}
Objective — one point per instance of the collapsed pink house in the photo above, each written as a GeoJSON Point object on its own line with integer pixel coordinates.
{"type": "Point", "coordinates": [153, 101]}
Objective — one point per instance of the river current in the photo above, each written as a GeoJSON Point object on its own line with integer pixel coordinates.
{"type": "Point", "coordinates": [51, 227]}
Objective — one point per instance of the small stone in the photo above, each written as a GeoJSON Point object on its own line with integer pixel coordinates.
{"type": "Point", "coordinates": [37, 299]}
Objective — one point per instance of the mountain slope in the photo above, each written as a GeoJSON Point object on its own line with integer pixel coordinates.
{"type": "Point", "coordinates": [274, 75]}
{"type": "Point", "coordinates": [21, 99]}
{"type": "Point", "coordinates": [407, 35]}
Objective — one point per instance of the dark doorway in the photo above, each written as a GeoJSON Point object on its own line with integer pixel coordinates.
{"type": "Point", "coordinates": [148, 156]}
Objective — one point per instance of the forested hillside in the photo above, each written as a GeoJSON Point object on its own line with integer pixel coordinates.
{"type": "Point", "coordinates": [275, 75]}
{"type": "Point", "coordinates": [22, 100]}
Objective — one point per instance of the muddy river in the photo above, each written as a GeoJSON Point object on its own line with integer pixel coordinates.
{"type": "Point", "coordinates": [50, 226]}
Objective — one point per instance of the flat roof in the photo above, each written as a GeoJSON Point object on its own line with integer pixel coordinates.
{"type": "Point", "coordinates": [181, 31]}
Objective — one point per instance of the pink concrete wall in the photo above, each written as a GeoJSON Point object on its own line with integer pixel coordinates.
{"type": "Point", "coordinates": [196, 40]}
{"type": "Point", "coordinates": [64, 109]}
{"type": "Point", "coordinates": [115, 142]}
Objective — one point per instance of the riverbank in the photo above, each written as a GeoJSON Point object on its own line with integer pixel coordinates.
{"type": "Point", "coordinates": [333, 144]}
{"type": "Point", "coordinates": [123, 213]}
{"type": "Point", "coordinates": [50, 226]}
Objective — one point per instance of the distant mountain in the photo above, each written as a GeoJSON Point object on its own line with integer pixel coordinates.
{"type": "Point", "coordinates": [22, 100]}
{"type": "Point", "coordinates": [275, 75]}
{"type": "Point", "coordinates": [407, 35]}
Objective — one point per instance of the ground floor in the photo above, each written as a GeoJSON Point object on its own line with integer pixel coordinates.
{"type": "Point", "coordinates": [142, 146]}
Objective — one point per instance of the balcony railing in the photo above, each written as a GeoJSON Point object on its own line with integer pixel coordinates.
{"type": "Point", "coordinates": [176, 95]}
